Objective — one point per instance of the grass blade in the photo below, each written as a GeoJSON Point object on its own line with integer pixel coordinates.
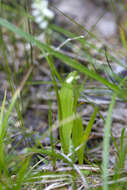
{"type": "Point", "coordinates": [106, 144]}
{"type": "Point", "coordinates": [89, 127]}
{"type": "Point", "coordinates": [77, 135]}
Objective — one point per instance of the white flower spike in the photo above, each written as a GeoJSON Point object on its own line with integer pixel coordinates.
{"type": "Point", "coordinates": [42, 13]}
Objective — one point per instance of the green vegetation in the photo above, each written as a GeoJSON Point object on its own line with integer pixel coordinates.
{"type": "Point", "coordinates": [64, 162]}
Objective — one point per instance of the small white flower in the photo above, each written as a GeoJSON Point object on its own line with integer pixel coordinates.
{"type": "Point", "coordinates": [39, 19]}
{"type": "Point", "coordinates": [44, 3]}
{"type": "Point", "coordinates": [72, 76]}
{"type": "Point", "coordinates": [43, 25]}
{"type": "Point", "coordinates": [35, 13]}
{"type": "Point", "coordinates": [70, 79]}
{"type": "Point", "coordinates": [49, 14]}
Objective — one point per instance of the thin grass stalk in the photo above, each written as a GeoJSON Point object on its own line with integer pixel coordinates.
{"type": "Point", "coordinates": [106, 142]}
{"type": "Point", "coordinates": [53, 158]}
